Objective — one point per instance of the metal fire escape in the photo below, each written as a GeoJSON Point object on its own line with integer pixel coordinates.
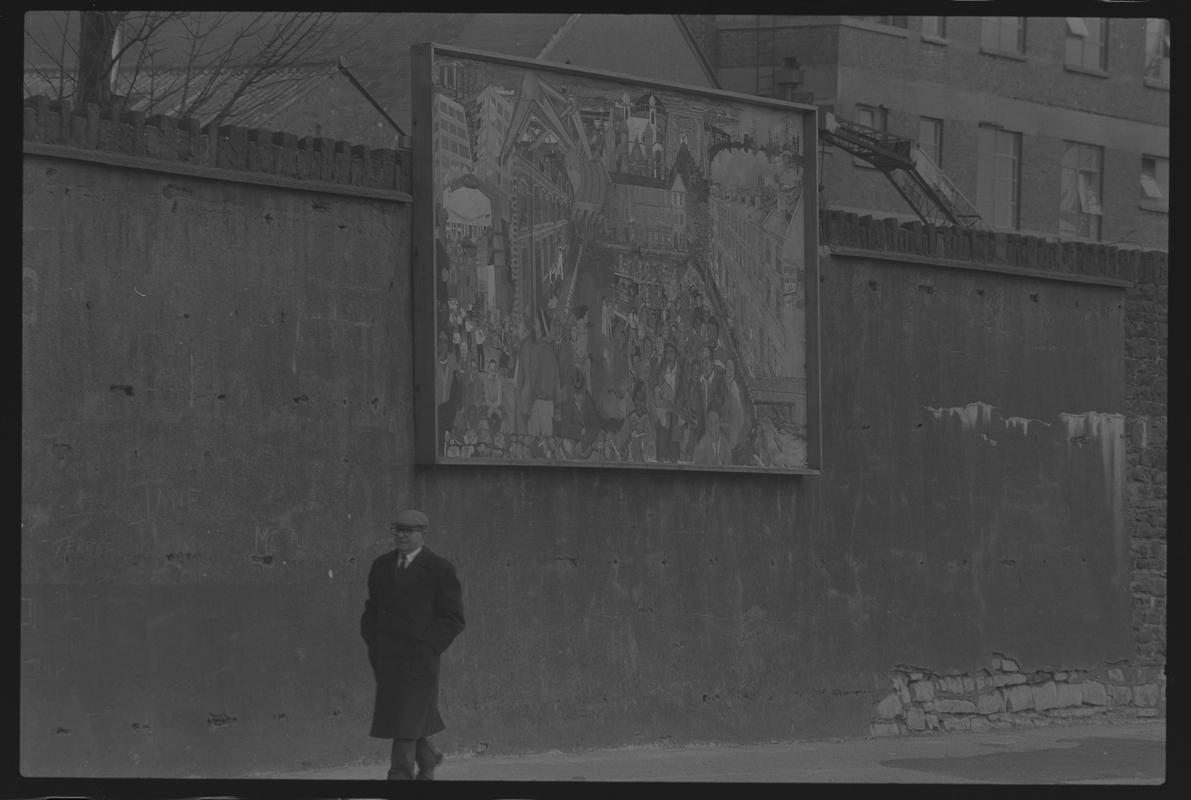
{"type": "Point", "coordinates": [934, 198]}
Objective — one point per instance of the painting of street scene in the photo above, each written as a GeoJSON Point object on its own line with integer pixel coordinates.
{"type": "Point", "coordinates": [619, 271]}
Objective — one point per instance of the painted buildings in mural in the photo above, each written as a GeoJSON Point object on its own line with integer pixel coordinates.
{"type": "Point", "coordinates": [622, 276]}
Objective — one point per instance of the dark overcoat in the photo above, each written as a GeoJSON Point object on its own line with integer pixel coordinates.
{"type": "Point", "coordinates": [410, 617]}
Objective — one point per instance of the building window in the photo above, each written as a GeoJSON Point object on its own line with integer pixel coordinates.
{"type": "Point", "coordinates": [1007, 34]}
{"type": "Point", "coordinates": [1079, 210]}
{"type": "Point", "coordinates": [930, 138]}
{"type": "Point", "coordinates": [998, 176]}
{"type": "Point", "coordinates": [1087, 39]}
{"type": "Point", "coordinates": [1158, 50]}
{"type": "Point", "coordinates": [934, 26]}
{"type": "Point", "coordinates": [1155, 182]}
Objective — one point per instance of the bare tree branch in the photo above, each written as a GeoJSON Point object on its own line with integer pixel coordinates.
{"type": "Point", "coordinates": [207, 65]}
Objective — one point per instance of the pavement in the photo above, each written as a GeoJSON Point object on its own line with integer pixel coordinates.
{"type": "Point", "coordinates": [1120, 753]}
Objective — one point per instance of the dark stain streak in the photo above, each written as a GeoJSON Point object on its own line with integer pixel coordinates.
{"type": "Point", "coordinates": [122, 387]}
{"type": "Point", "coordinates": [923, 287]}
{"type": "Point", "coordinates": [218, 721]}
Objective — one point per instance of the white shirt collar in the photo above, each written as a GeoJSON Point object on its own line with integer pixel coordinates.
{"type": "Point", "coordinates": [409, 557]}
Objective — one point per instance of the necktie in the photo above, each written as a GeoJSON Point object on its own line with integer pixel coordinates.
{"type": "Point", "coordinates": [403, 562]}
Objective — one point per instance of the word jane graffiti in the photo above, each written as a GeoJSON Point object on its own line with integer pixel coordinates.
{"type": "Point", "coordinates": [619, 273]}
{"type": "Point", "coordinates": [162, 497]}
{"type": "Point", "coordinates": [94, 532]}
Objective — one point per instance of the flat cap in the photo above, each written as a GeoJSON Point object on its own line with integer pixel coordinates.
{"type": "Point", "coordinates": [411, 518]}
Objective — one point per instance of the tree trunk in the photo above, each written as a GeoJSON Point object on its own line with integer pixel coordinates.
{"type": "Point", "coordinates": [98, 32]}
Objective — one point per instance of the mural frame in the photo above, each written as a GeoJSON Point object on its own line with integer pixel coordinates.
{"type": "Point", "coordinates": [429, 297]}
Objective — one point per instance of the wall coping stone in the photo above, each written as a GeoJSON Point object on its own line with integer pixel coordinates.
{"type": "Point", "coordinates": [847, 234]}
{"type": "Point", "coordinates": [172, 141]}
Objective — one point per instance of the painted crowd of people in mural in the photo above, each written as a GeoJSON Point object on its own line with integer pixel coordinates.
{"type": "Point", "coordinates": [618, 275]}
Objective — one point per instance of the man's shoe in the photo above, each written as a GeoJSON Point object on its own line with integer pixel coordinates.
{"type": "Point", "coordinates": [427, 773]}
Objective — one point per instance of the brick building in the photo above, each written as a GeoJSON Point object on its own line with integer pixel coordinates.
{"type": "Point", "coordinates": [1051, 126]}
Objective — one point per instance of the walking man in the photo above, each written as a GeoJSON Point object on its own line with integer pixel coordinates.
{"type": "Point", "coordinates": [413, 612]}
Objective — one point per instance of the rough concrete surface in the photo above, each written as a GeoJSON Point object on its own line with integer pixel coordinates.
{"type": "Point", "coordinates": [1061, 754]}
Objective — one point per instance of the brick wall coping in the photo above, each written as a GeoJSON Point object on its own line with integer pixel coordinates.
{"type": "Point", "coordinates": [130, 139]}
{"type": "Point", "coordinates": [847, 234]}
{"type": "Point", "coordinates": [979, 266]}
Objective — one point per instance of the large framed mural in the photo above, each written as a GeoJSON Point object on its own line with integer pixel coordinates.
{"type": "Point", "coordinates": [610, 271]}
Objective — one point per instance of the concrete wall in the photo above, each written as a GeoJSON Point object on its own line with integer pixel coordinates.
{"type": "Point", "coordinates": [217, 426]}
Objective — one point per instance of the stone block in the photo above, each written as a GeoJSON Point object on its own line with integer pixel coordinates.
{"type": "Point", "coordinates": [889, 707]}
{"type": "Point", "coordinates": [957, 723]}
{"type": "Point", "coordinates": [1116, 675]}
{"type": "Point", "coordinates": [1046, 695]}
{"type": "Point", "coordinates": [980, 724]}
{"type": "Point", "coordinates": [932, 722]}
{"type": "Point", "coordinates": [884, 729]}
{"type": "Point", "coordinates": [1060, 676]}
{"type": "Point", "coordinates": [1148, 712]}
{"type": "Point", "coordinates": [969, 684]}
{"type": "Point", "coordinates": [1008, 680]}
{"type": "Point", "coordinates": [901, 686]}
{"type": "Point", "coordinates": [1009, 665]}
{"type": "Point", "coordinates": [1119, 695]}
{"type": "Point", "coordinates": [1094, 693]}
{"type": "Point", "coordinates": [1077, 712]}
{"type": "Point", "coordinates": [949, 684]}
{"type": "Point", "coordinates": [950, 706]}
{"type": "Point", "coordinates": [990, 702]}
{"type": "Point", "coordinates": [922, 690]}
{"type": "Point", "coordinates": [1069, 694]}
{"type": "Point", "coordinates": [915, 719]}
{"type": "Point", "coordinates": [1145, 695]}
{"type": "Point", "coordinates": [1019, 698]}
{"type": "Point", "coordinates": [1038, 678]}
{"type": "Point", "coordinates": [983, 682]}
